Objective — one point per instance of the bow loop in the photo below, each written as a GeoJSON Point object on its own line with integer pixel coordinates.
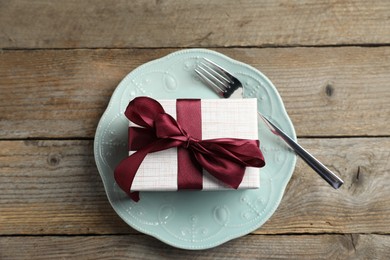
{"type": "Point", "coordinates": [167, 127]}
{"type": "Point", "coordinates": [142, 112]}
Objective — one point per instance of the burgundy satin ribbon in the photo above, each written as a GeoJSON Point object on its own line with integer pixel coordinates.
{"type": "Point", "coordinates": [224, 158]}
{"type": "Point", "coordinates": [189, 117]}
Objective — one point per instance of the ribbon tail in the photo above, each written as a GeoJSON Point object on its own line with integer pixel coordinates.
{"type": "Point", "coordinates": [134, 195]}
{"type": "Point", "coordinates": [126, 170]}
{"type": "Point", "coordinates": [227, 159]}
{"type": "Point", "coordinates": [223, 169]}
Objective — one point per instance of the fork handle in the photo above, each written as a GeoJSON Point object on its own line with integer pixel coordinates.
{"type": "Point", "coordinates": [316, 165]}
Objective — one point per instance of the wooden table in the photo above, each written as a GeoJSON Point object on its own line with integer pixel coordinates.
{"type": "Point", "coordinates": [61, 60]}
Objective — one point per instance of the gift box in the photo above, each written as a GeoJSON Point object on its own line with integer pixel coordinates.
{"type": "Point", "coordinates": [186, 136]}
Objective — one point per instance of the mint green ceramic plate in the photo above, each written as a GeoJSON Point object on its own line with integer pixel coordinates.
{"type": "Point", "coordinates": [194, 219]}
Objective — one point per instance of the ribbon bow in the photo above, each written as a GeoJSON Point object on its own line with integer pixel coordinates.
{"type": "Point", "coordinates": [224, 158]}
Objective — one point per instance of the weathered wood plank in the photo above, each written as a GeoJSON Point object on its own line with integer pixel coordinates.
{"type": "Point", "coordinates": [248, 247]}
{"type": "Point", "coordinates": [62, 94]}
{"type": "Point", "coordinates": [118, 24]}
{"type": "Point", "coordinates": [361, 205]}
{"type": "Point", "coordinates": [53, 187]}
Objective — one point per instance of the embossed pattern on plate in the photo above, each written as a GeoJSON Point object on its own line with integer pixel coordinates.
{"type": "Point", "coordinates": [194, 219]}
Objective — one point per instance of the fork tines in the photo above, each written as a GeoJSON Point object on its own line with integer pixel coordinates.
{"type": "Point", "coordinates": [219, 79]}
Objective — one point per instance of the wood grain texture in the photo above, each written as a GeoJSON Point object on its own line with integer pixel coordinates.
{"type": "Point", "coordinates": [119, 24]}
{"type": "Point", "coordinates": [361, 205]}
{"type": "Point", "coordinates": [248, 247]}
{"type": "Point", "coordinates": [60, 62]}
{"type": "Point", "coordinates": [53, 187]}
{"type": "Point", "coordinates": [63, 93]}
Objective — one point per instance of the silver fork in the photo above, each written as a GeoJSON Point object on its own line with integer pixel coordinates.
{"type": "Point", "coordinates": [226, 85]}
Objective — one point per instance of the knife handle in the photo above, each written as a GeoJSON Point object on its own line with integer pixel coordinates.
{"type": "Point", "coordinates": [315, 164]}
